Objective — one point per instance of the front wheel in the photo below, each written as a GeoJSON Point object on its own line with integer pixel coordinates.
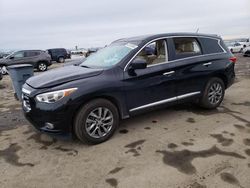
{"type": "Point", "coordinates": [42, 66]}
{"type": "Point", "coordinates": [213, 94]}
{"type": "Point", "coordinates": [3, 70]}
{"type": "Point", "coordinates": [96, 121]}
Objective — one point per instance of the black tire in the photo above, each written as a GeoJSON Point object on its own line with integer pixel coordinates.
{"type": "Point", "coordinates": [3, 70]}
{"type": "Point", "coordinates": [80, 124]}
{"type": "Point", "coordinates": [207, 97]}
{"type": "Point", "coordinates": [42, 66]}
{"type": "Point", "coordinates": [61, 60]}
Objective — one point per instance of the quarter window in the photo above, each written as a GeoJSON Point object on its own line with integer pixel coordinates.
{"type": "Point", "coordinates": [154, 53]}
{"type": "Point", "coordinates": [186, 47]}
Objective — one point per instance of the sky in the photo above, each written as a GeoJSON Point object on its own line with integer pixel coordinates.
{"type": "Point", "coordinates": [42, 24]}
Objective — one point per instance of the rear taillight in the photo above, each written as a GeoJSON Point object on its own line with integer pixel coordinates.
{"type": "Point", "coordinates": [233, 59]}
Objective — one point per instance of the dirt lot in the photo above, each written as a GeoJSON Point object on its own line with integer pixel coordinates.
{"type": "Point", "coordinates": [181, 146]}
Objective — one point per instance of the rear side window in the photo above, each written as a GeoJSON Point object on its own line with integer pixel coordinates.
{"type": "Point", "coordinates": [211, 45]}
{"type": "Point", "coordinates": [31, 54]}
{"type": "Point", "coordinates": [58, 51]}
{"type": "Point", "coordinates": [186, 47]}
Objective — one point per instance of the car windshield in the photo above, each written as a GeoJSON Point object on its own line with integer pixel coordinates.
{"type": "Point", "coordinates": [11, 54]}
{"type": "Point", "coordinates": [108, 56]}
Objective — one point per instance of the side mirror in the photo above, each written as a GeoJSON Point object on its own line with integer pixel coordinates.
{"type": "Point", "coordinates": [138, 64]}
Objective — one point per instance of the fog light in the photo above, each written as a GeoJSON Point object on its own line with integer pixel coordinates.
{"type": "Point", "coordinates": [49, 125]}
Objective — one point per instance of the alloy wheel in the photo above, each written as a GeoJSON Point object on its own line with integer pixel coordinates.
{"type": "Point", "coordinates": [99, 122]}
{"type": "Point", "coordinates": [215, 93]}
{"type": "Point", "coordinates": [61, 59]}
{"type": "Point", "coordinates": [42, 67]}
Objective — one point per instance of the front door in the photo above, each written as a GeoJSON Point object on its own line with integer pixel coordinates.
{"type": "Point", "coordinates": [17, 58]}
{"type": "Point", "coordinates": [154, 85]}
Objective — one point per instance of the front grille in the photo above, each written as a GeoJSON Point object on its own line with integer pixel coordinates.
{"type": "Point", "coordinates": [26, 102]}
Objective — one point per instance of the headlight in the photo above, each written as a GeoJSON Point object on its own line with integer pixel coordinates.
{"type": "Point", "coordinates": [54, 96]}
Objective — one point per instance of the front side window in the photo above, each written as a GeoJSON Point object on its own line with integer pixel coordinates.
{"type": "Point", "coordinates": [186, 46]}
{"type": "Point", "coordinates": [18, 55]}
{"type": "Point", "coordinates": [108, 56]}
{"type": "Point", "coordinates": [154, 53]}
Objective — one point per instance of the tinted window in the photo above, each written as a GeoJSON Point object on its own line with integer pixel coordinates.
{"type": "Point", "coordinates": [31, 54]}
{"type": "Point", "coordinates": [210, 46]}
{"type": "Point", "coordinates": [18, 55]}
{"type": "Point", "coordinates": [186, 46]}
{"type": "Point", "coordinates": [154, 53]}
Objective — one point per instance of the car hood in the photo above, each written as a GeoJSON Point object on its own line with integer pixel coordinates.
{"type": "Point", "coordinates": [4, 61]}
{"type": "Point", "coordinates": [61, 75]}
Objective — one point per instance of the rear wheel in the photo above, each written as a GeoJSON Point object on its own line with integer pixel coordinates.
{"type": "Point", "coordinates": [213, 94]}
{"type": "Point", "coordinates": [42, 66]}
{"type": "Point", "coordinates": [61, 60]}
{"type": "Point", "coordinates": [96, 121]}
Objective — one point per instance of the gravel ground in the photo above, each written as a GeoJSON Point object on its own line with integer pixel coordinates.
{"type": "Point", "coordinates": [181, 146]}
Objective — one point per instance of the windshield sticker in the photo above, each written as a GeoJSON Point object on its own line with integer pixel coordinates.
{"type": "Point", "coordinates": [132, 46]}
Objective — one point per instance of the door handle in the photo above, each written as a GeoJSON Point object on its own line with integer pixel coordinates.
{"type": "Point", "coordinates": [207, 64]}
{"type": "Point", "coordinates": [168, 73]}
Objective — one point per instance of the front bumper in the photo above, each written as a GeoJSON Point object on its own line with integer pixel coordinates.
{"type": "Point", "coordinates": [41, 125]}
{"type": "Point", "coordinates": [54, 118]}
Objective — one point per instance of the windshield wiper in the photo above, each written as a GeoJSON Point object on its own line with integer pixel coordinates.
{"type": "Point", "coordinates": [85, 66]}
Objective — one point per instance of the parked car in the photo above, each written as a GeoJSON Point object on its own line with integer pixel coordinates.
{"type": "Point", "coordinates": [122, 80]}
{"type": "Point", "coordinates": [244, 42]}
{"type": "Point", "coordinates": [59, 54]}
{"type": "Point", "coordinates": [38, 58]}
{"type": "Point", "coordinates": [80, 52]}
{"type": "Point", "coordinates": [235, 47]}
{"type": "Point", "coordinates": [246, 51]}
{"type": "Point", "coordinates": [91, 51]}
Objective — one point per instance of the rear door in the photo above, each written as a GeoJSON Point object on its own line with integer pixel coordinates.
{"type": "Point", "coordinates": [31, 57]}
{"type": "Point", "coordinates": [190, 67]}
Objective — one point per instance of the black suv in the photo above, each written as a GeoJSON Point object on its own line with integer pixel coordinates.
{"type": "Point", "coordinates": [59, 54]}
{"type": "Point", "coordinates": [126, 78]}
{"type": "Point", "coordinates": [39, 59]}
